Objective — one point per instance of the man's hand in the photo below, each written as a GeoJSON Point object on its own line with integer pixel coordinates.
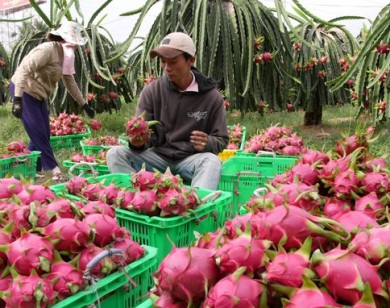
{"type": "Point", "coordinates": [89, 110]}
{"type": "Point", "coordinates": [140, 140]}
{"type": "Point", "coordinates": [17, 107]}
{"type": "Point", "coordinates": [199, 140]}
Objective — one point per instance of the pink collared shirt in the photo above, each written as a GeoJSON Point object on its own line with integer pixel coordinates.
{"type": "Point", "coordinates": [193, 87]}
{"type": "Point", "coordinates": [69, 56]}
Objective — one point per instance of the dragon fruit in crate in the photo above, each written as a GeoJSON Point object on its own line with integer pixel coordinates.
{"type": "Point", "coordinates": [30, 291]}
{"type": "Point", "coordinates": [30, 252]}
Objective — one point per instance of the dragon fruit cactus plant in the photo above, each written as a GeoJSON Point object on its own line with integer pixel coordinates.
{"type": "Point", "coordinates": [138, 129]}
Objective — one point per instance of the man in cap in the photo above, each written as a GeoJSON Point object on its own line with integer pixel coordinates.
{"type": "Point", "coordinates": [193, 125]}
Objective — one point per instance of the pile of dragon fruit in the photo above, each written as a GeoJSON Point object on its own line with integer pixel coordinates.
{"type": "Point", "coordinates": [67, 124]}
{"type": "Point", "coordinates": [150, 193]}
{"type": "Point", "coordinates": [46, 243]}
{"type": "Point", "coordinates": [277, 139]}
{"type": "Point", "coordinates": [319, 236]}
{"type": "Point", "coordinates": [99, 157]}
{"type": "Point", "coordinates": [102, 141]}
{"type": "Point", "coordinates": [235, 136]}
{"type": "Point", "coordinates": [14, 148]}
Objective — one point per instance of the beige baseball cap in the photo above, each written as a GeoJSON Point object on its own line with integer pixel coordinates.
{"type": "Point", "coordinates": [174, 44]}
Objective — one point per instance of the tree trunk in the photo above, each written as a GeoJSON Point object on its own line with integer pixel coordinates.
{"type": "Point", "coordinates": [313, 117]}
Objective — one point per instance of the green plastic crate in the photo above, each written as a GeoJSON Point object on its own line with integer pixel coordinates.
{"type": "Point", "coordinates": [154, 231]}
{"type": "Point", "coordinates": [68, 141]}
{"type": "Point", "coordinates": [241, 175]}
{"type": "Point", "coordinates": [146, 304]}
{"type": "Point", "coordinates": [95, 149]}
{"type": "Point", "coordinates": [240, 152]}
{"type": "Point", "coordinates": [226, 154]}
{"type": "Point", "coordinates": [116, 290]}
{"type": "Point", "coordinates": [85, 170]}
{"type": "Point", "coordinates": [159, 231]}
{"type": "Point", "coordinates": [20, 166]}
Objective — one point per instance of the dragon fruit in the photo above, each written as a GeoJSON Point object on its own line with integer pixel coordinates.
{"type": "Point", "coordinates": [102, 269]}
{"type": "Point", "coordinates": [19, 216]}
{"type": "Point", "coordinates": [167, 180]}
{"type": "Point", "coordinates": [132, 250]}
{"type": "Point", "coordinates": [371, 205]}
{"type": "Point", "coordinates": [355, 270]}
{"type": "Point", "coordinates": [354, 221]}
{"type": "Point", "coordinates": [70, 235]}
{"type": "Point", "coordinates": [138, 128]}
{"type": "Point", "coordinates": [345, 184]}
{"type": "Point", "coordinates": [372, 244]}
{"type": "Point", "coordinates": [211, 240]}
{"type": "Point", "coordinates": [347, 144]}
{"type": "Point", "coordinates": [335, 206]}
{"type": "Point", "coordinates": [242, 251]}
{"type": "Point", "coordinates": [296, 194]}
{"type": "Point", "coordinates": [124, 199]}
{"type": "Point", "coordinates": [287, 269]}
{"type": "Point", "coordinates": [367, 300]}
{"type": "Point", "coordinates": [9, 187]}
{"type": "Point", "coordinates": [105, 227]}
{"type": "Point", "coordinates": [313, 156]}
{"type": "Point", "coordinates": [30, 252]}
{"type": "Point", "coordinates": [76, 184]}
{"type": "Point", "coordinates": [66, 279]}
{"type": "Point", "coordinates": [290, 226]}
{"type": "Point", "coordinates": [172, 202]}
{"type": "Point", "coordinates": [334, 167]}
{"type": "Point", "coordinates": [109, 193]}
{"type": "Point", "coordinates": [143, 179]}
{"type": "Point", "coordinates": [257, 222]}
{"type": "Point", "coordinates": [92, 191]}
{"type": "Point", "coordinates": [98, 207]}
{"type": "Point", "coordinates": [5, 238]}
{"type": "Point", "coordinates": [145, 202]}
{"type": "Point", "coordinates": [166, 300]}
{"type": "Point", "coordinates": [60, 208]}
{"type": "Point", "coordinates": [375, 182]}
{"type": "Point", "coordinates": [34, 192]}
{"type": "Point", "coordinates": [310, 296]}
{"type": "Point", "coordinates": [30, 292]}
{"type": "Point", "coordinates": [187, 273]}
{"type": "Point", "coordinates": [235, 290]}
{"type": "Point", "coordinates": [304, 173]}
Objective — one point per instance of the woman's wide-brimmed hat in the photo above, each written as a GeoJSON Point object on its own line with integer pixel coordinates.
{"type": "Point", "coordinates": [70, 31]}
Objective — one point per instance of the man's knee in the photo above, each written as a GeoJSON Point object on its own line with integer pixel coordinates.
{"type": "Point", "coordinates": [114, 153]}
{"type": "Point", "coordinates": [211, 160]}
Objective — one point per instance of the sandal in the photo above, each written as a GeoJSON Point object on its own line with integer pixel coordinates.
{"type": "Point", "coordinates": [57, 176]}
{"type": "Point", "coordinates": [39, 175]}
